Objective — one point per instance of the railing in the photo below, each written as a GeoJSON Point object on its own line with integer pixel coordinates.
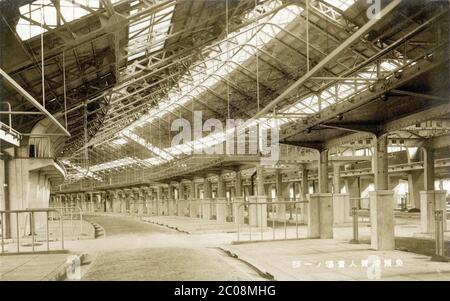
{"type": "Point", "coordinates": [225, 209]}
{"type": "Point", "coordinates": [31, 214]}
{"type": "Point", "coordinates": [362, 205]}
{"type": "Point", "coordinates": [262, 220]}
{"type": "Point", "coordinates": [439, 237]}
{"type": "Point", "coordinates": [72, 213]}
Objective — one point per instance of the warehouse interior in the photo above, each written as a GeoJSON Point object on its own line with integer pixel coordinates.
{"type": "Point", "coordinates": [276, 130]}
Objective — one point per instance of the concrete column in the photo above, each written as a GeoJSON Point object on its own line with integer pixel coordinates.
{"type": "Point", "coordinates": [207, 198]}
{"type": "Point", "coordinates": [238, 184]}
{"type": "Point", "coordinates": [415, 185]}
{"type": "Point", "coordinates": [84, 204]}
{"type": "Point", "coordinates": [132, 197]}
{"type": "Point", "coordinates": [323, 172]}
{"type": "Point", "coordinates": [181, 204]}
{"type": "Point", "coordinates": [341, 202]}
{"type": "Point", "coordinates": [91, 202]}
{"type": "Point", "coordinates": [154, 200]}
{"type": "Point", "coordinates": [336, 178]}
{"type": "Point", "coordinates": [99, 202]}
{"type": "Point", "coordinates": [159, 201]}
{"type": "Point", "coordinates": [430, 202]}
{"type": "Point", "coordinates": [258, 213]}
{"type": "Point", "coordinates": [123, 202]}
{"type": "Point", "coordinates": [429, 168]}
{"type": "Point", "coordinates": [304, 186]}
{"type": "Point", "coordinates": [381, 200]}
{"type": "Point", "coordinates": [320, 216]}
{"type": "Point", "coordinates": [140, 202]}
{"type": "Point", "coordinates": [280, 195]}
{"type": "Point", "coordinates": [148, 201]}
{"type": "Point", "coordinates": [193, 206]}
{"type": "Point", "coordinates": [238, 211]}
{"type": "Point", "coordinates": [112, 194]}
{"type": "Point", "coordinates": [171, 200]}
{"type": "Point", "coordinates": [105, 202]}
{"type": "Point", "coordinates": [221, 207]}
{"type": "Point", "coordinates": [109, 202]}
{"type": "Point", "coordinates": [320, 209]}
{"type": "Point", "coordinates": [430, 199]}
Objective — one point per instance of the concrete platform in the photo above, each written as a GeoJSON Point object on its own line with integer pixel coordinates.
{"type": "Point", "coordinates": [336, 259]}
{"type": "Point", "coordinates": [32, 267]}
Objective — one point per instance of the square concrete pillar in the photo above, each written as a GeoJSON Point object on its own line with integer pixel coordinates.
{"type": "Point", "coordinates": [313, 228]}
{"type": "Point", "coordinates": [257, 213]}
{"type": "Point", "coordinates": [140, 208]}
{"type": "Point", "coordinates": [280, 208]}
{"type": "Point", "coordinates": [238, 210]}
{"type": "Point", "coordinates": [123, 206]}
{"type": "Point", "coordinates": [193, 208]}
{"type": "Point", "coordinates": [132, 207]}
{"type": "Point", "coordinates": [148, 207]}
{"type": "Point", "coordinates": [320, 215]}
{"type": "Point", "coordinates": [84, 205]}
{"type": "Point", "coordinates": [109, 205]}
{"type": "Point", "coordinates": [206, 209]}
{"type": "Point", "coordinates": [221, 210]}
{"type": "Point", "coordinates": [116, 205]}
{"type": "Point", "coordinates": [326, 215]}
{"type": "Point", "coordinates": [430, 201]}
{"type": "Point", "coordinates": [382, 219]}
{"type": "Point", "coordinates": [415, 185]}
{"type": "Point", "coordinates": [341, 208]}
{"type": "Point", "coordinates": [172, 206]}
{"type": "Point", "coordinates": [91, 206]}
{"type": "Point", "coordinates": [182, 205]}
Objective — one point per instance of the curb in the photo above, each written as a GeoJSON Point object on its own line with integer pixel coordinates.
{"type": "Point", "coordinates": [61, 273]}
{"type": "Point", "coordinates": [166, 226]}
{"type": "Point", "coordinates": [260, 272]}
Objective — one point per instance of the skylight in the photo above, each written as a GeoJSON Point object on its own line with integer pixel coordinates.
{"type": "Point", "coordinates": [119, 141]}
{"type": "Point", "coordinates": [155, 150]}
{"type": "Point", "coordinates": [221, 60]}
{"type": "Point", "coordinates": [113, 164]}
{"type": "Point", "coordinates": [341, 4]}
{"type": "Point", "coordinates": [148, 34]}
{"type": "Point", "coordinates": [33, 14]}
{"type": "Point", "coordinates": [82, 172]}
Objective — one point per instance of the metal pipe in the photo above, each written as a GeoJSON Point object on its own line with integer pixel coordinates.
{"type": "Point", "coordinates": [8, 112]}
{"type": "Point", "coordinates": [33, 101]}
{"type": "Point", "coordinates": [3, 232]}
{"type": "Point", "coordinates": [32, 230]}
{"type": "Point", "coordinates": [47, 232]}
{"type": "Point", "coordinates": [17, 232]}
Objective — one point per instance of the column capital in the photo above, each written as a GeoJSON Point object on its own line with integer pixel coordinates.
{"type": "Point", "coordinates": [112, 193]}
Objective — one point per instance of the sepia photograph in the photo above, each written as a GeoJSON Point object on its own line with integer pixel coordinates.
{"type": "Point", "coordinates": [224, 146]}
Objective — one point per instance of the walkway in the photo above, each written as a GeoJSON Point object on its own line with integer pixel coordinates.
{"type": "Point", "coordinates": [334, 259]}
{"type": "Point", "coordinates": [134, 250]}
{"type": "Point", "coordinates": [31, 267]}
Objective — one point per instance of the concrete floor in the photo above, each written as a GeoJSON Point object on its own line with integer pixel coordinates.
{"type": "Point", "coordinates": [33, 267]}
{"type": "Point", "coordinates": [134, 250]}
{"type": "Point", "coordinates": [336, 259]}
